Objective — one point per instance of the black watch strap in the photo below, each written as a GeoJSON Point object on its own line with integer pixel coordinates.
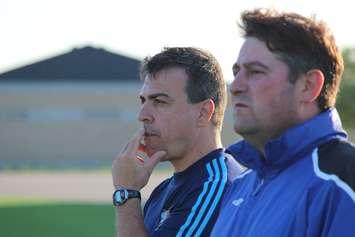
{"type": "Point", "coordinates": [120, 196]}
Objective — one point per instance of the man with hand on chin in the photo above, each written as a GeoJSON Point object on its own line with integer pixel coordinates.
{"type": "Point", "coordinates": [183, 100]}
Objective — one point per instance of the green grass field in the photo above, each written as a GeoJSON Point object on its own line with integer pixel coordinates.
{"type": "Point", "coordinates": [44, 219]}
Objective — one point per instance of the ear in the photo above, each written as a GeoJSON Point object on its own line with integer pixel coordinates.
{"type": "Point", "coordinates": [206, 111]}
{"type": "Point", "coordinates": [311, 85]}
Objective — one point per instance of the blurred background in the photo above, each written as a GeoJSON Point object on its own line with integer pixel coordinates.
{"type": "Point", "coordinates": [68, 96]}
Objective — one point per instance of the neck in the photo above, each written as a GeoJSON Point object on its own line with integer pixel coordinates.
{"type": "Point", "coordinates": [258, 143]}
{"type": "Point", "coordinates": [205, 143]}
{"type": "Point", "coordinates": [259, 140]}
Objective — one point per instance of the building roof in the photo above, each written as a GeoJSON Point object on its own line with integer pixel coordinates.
{"type": "Point", "coordinates": [86, 63]}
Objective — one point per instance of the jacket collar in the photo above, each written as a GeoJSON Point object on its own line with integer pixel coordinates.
{"type": "Point", "coordinates": [291, 145]}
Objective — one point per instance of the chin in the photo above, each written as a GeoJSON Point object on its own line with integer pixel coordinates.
{"type": "Point", "coordinates": [152, 151]}
{"type": "Point", "coordinates": [238, 126]}
{"type": "Point", "coordinates": [165, 158]}
{"type": "Point", "coordinates": [243, 129]}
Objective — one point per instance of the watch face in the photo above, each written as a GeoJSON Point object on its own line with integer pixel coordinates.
{"type": "Point", "coordinates": [120, 197]}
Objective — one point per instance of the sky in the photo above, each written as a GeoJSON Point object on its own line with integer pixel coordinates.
{"type": "Point", "coordinates": [38, 29]}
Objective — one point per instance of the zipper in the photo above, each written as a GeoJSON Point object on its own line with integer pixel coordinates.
{"type": "Point", "coordinates": [258, 188]}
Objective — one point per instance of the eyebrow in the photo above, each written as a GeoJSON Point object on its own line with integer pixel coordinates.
{"type": "Point", "coordinates": [251, 64]}
{"type": "Point", "coordinates": [153, 96]}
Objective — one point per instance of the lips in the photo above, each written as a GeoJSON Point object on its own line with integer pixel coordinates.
{"type": "Point", "coordinates": [240, 105]}
{"type": "Point", "coordinates": [150, 132]}
{"type": "Point", "coordinates": [240, 101]}
{"type": "Point", "coordinates": [151, 141]}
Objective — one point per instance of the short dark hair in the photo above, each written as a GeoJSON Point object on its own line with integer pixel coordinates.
{"type": "Point", "coordinates": [302, 43]}
{"type": "Point", "coordinates": [205, 78]}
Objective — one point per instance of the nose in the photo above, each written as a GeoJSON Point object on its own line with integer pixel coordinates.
{"type": "Point", "coordinates": [239, 84]}
{"type": "Point", "coordinates": [145, 114]}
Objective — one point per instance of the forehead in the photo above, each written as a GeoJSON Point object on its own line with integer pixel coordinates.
{"type": "Point", "coordinates": [171, 81]}
{"type": "Point", "coordinates": [254, 50]}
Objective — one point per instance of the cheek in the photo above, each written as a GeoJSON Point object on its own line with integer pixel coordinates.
{"type": "Point", "coordinates": [175, 128]}
{"type": "Point", "coordinates": [266, 100]}
{"type": "Point", "coordinates": [176, 123]}
{"type": "Point", "coordinates": [263, 97]}
{"type": "Point", "coordinates": [275, 105]}
{"type": "Point", "coordinates": [270, 91]}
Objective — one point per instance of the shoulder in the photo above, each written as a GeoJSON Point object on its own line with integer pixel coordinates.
{"type": "Point", "coordinates": [206, 184]}
{"type": "Point", "coordinates": [338, 158]}
{"type": "Point", "coordinates": [163, 185]}
{"type": "Point", "coordinates": [335, 161]}
{"type": "Point", "coordinates": [222, 166]}
{"type": "Point", "coordinates": [158, 190]}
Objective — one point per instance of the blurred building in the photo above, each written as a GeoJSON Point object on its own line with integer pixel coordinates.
{"type": "Point", "coordinates": [77, 108]}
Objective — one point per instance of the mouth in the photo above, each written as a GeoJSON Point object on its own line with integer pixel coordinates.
{"type": "Point", "coordinates": [151, 142]}
{"type": "Point", "coordinates": [240, 105]}
{"type": "Point", "coordinates": [150, 134]}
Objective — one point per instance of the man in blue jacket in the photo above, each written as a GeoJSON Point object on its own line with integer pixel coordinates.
{"type": "Point", "coordinates": [300, 179]}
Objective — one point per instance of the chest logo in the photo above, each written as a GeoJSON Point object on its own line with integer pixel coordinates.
{"type": "Point", "coordinates": [238, 201]}
{"type": "Point", "coordinates": [165, 214]}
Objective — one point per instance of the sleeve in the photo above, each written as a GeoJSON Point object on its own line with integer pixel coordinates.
{"type": "Point", "coordinates": [332, 208]}
{"type": "Point", "coordinates": [332, 212]}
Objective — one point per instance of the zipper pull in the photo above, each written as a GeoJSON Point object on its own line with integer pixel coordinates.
{"type": "Point", "coordinates": [256, 191]}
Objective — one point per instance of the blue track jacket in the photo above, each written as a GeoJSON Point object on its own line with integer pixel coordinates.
{"type": "Point", "coordinates": [188, 203]}
{"type": "Point", "coordinates": [304, 186]}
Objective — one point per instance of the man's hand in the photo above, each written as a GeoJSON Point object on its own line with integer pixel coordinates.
{"type": "Point", "coordinates": [130, 170]}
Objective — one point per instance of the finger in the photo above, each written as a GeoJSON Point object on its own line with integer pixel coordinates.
{"type": "Point", "coordinates": [154, 160]}
{"type": "Point", "coordinates": [124, 148]}
{"type": "Point", "coordinates": [142, 152]}
{"type": "Point", "coordinates": [135, 141]}
{"type": "Point", "coordinates": [140, 158]}
{"type": "Point", "coordinates": [127, 146]}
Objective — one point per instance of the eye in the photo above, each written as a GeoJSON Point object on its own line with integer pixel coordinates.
{"type": "Point", "coordinates": [142, 99]}
{"type": "Point", "coordinates": [158, 101]}
{"type": "Point", "coordinates": [256, 71]}
{"type": "Point", "coordinates": [235, 69]}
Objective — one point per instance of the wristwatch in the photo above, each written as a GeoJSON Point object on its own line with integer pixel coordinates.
{"type": "Point", "coordinates": [120, 196]}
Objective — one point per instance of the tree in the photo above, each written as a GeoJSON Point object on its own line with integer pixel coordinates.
{"type": "Point", "coordinates": [346, 97]}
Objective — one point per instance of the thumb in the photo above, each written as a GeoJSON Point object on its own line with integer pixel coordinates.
{"type": "Point", "coordinates": [152, 161]}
